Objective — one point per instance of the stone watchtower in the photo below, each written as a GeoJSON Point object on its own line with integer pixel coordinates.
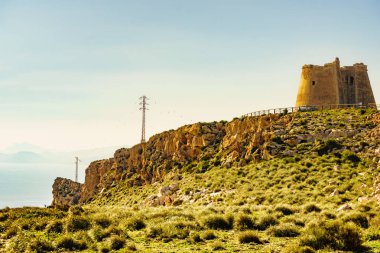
{"type": "Point", "coordinates": [331, 84]}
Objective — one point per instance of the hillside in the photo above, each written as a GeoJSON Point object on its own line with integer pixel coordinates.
{"type": "Point", "coordinates": [298, 182]}
{"type": "Point", "coordinates": [199, 147]}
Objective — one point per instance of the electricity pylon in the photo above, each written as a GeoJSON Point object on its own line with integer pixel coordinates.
{"type": "Point", "coordinates": [143, 108]}
{"type": "Point", "coordinates": [76, 168]}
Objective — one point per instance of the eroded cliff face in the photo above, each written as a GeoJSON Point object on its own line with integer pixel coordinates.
{"type": "Point", "coordinates": [66, 192]}
{"type": "Point", "coordinates": [237, 142]}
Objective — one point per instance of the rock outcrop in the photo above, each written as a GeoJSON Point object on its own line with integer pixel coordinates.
{"type": "Point", "coordinates": [66, 192]}
{"type": "Point", "coordinates": [203, 145]}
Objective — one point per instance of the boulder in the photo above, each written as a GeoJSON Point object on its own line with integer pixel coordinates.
{"type": "Point", "coordinates": [345, 207]}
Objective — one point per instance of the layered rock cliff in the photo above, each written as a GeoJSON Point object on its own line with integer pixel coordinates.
{"type": "Point", "coordinates": [238, 142]}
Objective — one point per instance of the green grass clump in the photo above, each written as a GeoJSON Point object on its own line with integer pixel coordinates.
{"type": "Point", "coordinates": [372, 234]}
{"type": "Point", "coordinates": [266, 221]}
{"type": "Point", "coordinates": [98, 233]}
{"type": "Point", "coordinates": [284, 209]}
{"type": "Point", "coordinates": [285, 230]}
{"type": "Point", "coordinates": [327, 146]}
{"type": "Point", "coordinates": [244, 222]}
{"type": "Point", "coordinates": [358, 218]}
{"type": "Point", "coordinates": [335, 234]}
{"type": "Point", "coordinates": [208, 235]}
{"type": "Point", "coordinates": [41, 245]}
{"type": "Point", "coordinates": [217, 246]}
{"type": "Point", "coordinates": [350, 156]}
{"type": "Point", "coordinates": [11, 232]}
{"type": "Point", "coordinates": [116, 242]}
{"type": "Point", "coordinates": [312, 208]}
{"type": "Point", "coordinates": [76, 210]}
{"type": "Point", "coordinates": [249, 237]}
{"type": "Point", "coordinates": [3, 217]}
{"type": "Point", "coordinates": [55, 226]}
{"type": "Point", "coordinates": [218, 222]}
{"type": "Point", "coordinates": [77, 223]}
{"type": "Point", "coordinates": [102, 221]}
{"type": "Point", "coordinates": [135, 224]}
{"type": "Point", "coordinates": [294, 248]}
{"type": "Point", "coordinates": [67, 242]}
{"type": "Point", "coordinates": [154, 232]}
{"type": "Point", "coordinates": [195, 238]}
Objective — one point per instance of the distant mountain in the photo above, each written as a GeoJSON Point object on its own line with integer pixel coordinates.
{"type": "Point", "coordinates": [24, 147]}
{"type": "Point", "coordinates": [29, 153]}
{"type": "Point", "coordinates": [21, 157]}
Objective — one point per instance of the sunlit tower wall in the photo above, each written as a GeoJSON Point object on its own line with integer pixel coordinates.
{"type": "Point", "coordinates": [331, 84]}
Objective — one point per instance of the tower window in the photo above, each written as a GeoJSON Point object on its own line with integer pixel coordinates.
{"type": "Point", "coordinates": [351, 80]}
{"type": "Point", "coordinates": [313, 82]}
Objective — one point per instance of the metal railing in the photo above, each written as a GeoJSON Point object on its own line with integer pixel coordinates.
{"type": "Point", "coordinates": [311, 108]}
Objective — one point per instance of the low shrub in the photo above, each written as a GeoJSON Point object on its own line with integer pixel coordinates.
{"type": "Point", "coordinates": [154, 232]}
{"type": "Point", "coordinates": [98, 233]}
{"type": "Point", "coordinates": [40, 225]}
{"type": "Point", "coordinates": [135, 224]}
{"type": "Point", "coordinates": [3, 217]}
{"type": "Point", "coordinates": [265, 222]}
{"type": "Point", "coordinates": [284, 230]}
{"type": "Point", "coordinates": [67, 242]}
{"type": "Point", "coordinates": [244, 222]}
{"type": "Point", "coordinates": [334, 234]}
{"type": "Point", "coordinates": [116, 242]}
{"type": "Point", "coordinates": [76, 210]}
{"type": "Point", "coordinates": [217, 222]}
{"type": "Point", "coordinates": [350, 156]}
{"type": "Point", "coordinates": [77, 223]}
{"type": "Point", "coordinates": [41, 245]}
{"type": "Point", "coordinates": [11, 232]}
{"type": "Point", "coordinates": [312, 208]}
{"type": "Point", "coordinates": [217, 246]}
{"type": "Point", "coordinates": [284, 209]}
{"type": "Point", "coordinates": [249, 237]}
{"type": "Point", "coordinates": [372, 234]}
{"type": "Point", "coordinates": [55, 226]}
{"type": "Point", "coordinates": [329, 215]}
{"type": "Point", "coordinates": [131, 247]}
{"type": "Point", "coordinates": [195, 238]}
{"type": "Point", "coordinates": [102, 221]}
{"type": "Point", "coordinates": [327, 146]}
{"type": "Point", "coordinates": [208, 235]}
{"type": "Point", "coordinates": [295, 248]}
{"type": "Point", "coordinates": [359, 219]}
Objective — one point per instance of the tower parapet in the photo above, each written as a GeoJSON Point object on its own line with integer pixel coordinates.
{"type": "Point", "coordinates": [331, 84]}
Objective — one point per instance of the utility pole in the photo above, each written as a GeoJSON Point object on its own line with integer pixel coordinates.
{"type": "Point", "coordinates": [76, 168]}
{"type": "Point", "coordinates": [143, 108]}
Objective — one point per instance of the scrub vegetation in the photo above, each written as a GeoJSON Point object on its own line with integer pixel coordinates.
{"type": "Point", "coordinates": [321, 201]}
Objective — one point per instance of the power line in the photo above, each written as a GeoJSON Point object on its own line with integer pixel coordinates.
{"type": "Point", "coordinates": [143, 108]}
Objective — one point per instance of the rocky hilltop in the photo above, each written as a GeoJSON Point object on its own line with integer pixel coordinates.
{"type": "Point", "coordinates": [242, 141]}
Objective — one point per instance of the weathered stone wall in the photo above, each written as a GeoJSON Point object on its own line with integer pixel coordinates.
{"type": "Point", "coordinates": [319, 85]}
{"type": "Point", "coordinates": [331, 84]}
{"type": "Point", "coordinates": [362, 84]}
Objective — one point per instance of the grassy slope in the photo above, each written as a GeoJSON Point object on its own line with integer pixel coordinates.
{"type": "Point", "coordinates": [296, 197]}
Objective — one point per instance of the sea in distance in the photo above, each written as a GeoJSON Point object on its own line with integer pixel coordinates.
{"type": "Point", "coordinates": [30, 184]}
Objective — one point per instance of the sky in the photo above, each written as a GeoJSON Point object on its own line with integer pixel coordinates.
{"type": "Point", "coordinates": [72, 72]}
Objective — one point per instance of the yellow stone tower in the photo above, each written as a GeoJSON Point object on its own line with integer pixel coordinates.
{"type": "Point", "coordinates": [331, 84]}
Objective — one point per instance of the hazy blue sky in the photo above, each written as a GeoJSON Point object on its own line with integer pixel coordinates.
{"type": "Point", "coordinates": [71, 72]}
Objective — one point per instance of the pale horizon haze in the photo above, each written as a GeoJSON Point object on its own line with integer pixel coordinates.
{"type": "Point", "coordinates": [72, 72]}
